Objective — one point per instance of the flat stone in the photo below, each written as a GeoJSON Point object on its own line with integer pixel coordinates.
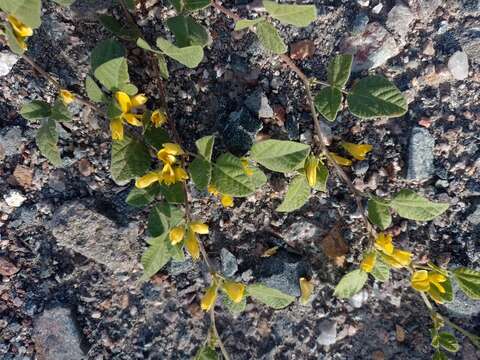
{"type": "Point", "coordinates": [56, 336]}
{"type": "Point", "coordinates": [229, 263]}
{"type": "Point", "coordinates": [239, 131]}
{"type": "Point", "coordinates": [95, 236]}
{"type": "Point", "coordinates": [474, 217]}
{"type": "Point", "coordinates": [328, 332]}
{"type": "Point", "coordinates": [11, 140]}
{"type": "Point", "coordinates": [399, 19]}
{"type": "Point", "coordinates": [7, 61]}
{"type": "Point", "coordinates": [458, 65]}
{"type": "Point", "coordinates": [420, 155]}
{"type": "Point", "coordinates": [359, 299]}
{"type": "Point", "coordinates": [14, 198]}
{"type": "Point", "coordinates": [258, 104]}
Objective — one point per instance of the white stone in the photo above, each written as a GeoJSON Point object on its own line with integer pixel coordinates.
{"type": "Point", "coordinates": [458, 65]}
{"type": "Point", "coordinates": [359, 299]}
{"type": "Point", "coordinates": [377, 8]}
{"type": "Point", "coordinates": [7, 61]}
{"type": "Point", "coordinates": [14, 198]}
{"type": "Point", "coordinates": [399, 19]}
{"type": "Point", "coordinates": [363, 3]}
{"type": "Point", "coordinates": [328, 332]}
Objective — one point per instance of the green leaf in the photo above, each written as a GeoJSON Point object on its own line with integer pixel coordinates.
{"type": "Point", "coordinates": [381, 271]}
{"type": "Point", "coordinates": [350, 284]}
{"type": "Point", "coordinates": [113, 109]}
{"type": "Point", "coordinates": [279, 155]}
{"type": "Point", "coordinates": [439, 356]}
{"type": "Point", "coordinates": [155, 257]}
{"type": "Point", "coordinates": [205, 146]}
{"type": "Point", "coordinates": [156, 136]}
{"type": "Point", "coordinates": [270, 39]}
{"type": "Point", "coordinates": [12, 40]}
{"type": "Point", "coordinates": [128, 88]}
{"type": "Point", "coordinates": [47, 138]}
{"type": "Point", "coordinates": [322, 178]}
{"type": "Point", "coordinates": [178, 5]}
{"type": "Point", "coordinates": [189, 56]}
{"type": "Point", "coordinates": [245, 23]}
{"type": "Point", "coordinates": [27, 11]}
{"type": "Point", "coordinates": [158, 220]}
{"type": "Point", "coordinates": [130, 159]}
{"type": "Point", "coordinates": [271, 297]}
{"type": "Point", "coordinates": [379, 214]}
{"type": "Point", "coordinates": [141, 43]}
{"type": "Point", "coordinates": [206, 353]}
{"type": "Point", "coordinates": [94, 92]}
{"type": "Point", "coordinates": [230, 178]}
{"type": "Point", "coordinates": [35, 110]}
{"type": "Point", "coordinates": [64, 2]}
{"type": "Point", "coordinates": [193, 5]}
{"type": "Point", "coordinates": [142, 197]}
{"type": "Point", "coordinates": [234, 308]}
{"type": "Point", "coordinates": [297, 194]}
{"type": "Point", "coordinates": [174, 194]}
{"type": "Point", "coordinates": [411, 206]}
{"type": "Point", "coordinates": [448, 342]}
{"type": "Point", "coordinates": [113, 74]}
{"type": "Point", "coordinates": [375, 96]}
{"type": "Point", "coordinates": [258, 177]}
{"type": "Point", "coordinates": [188, 32]}
{"type": "Point", "coordinates": [298, 15]}
{"type": "Point", "coordinates": [130, 4]}
{"type": "Point", "coordinates": [163, 67]}
{"type": "Point", "coordinates": [201, 173]}
{"type": "Point", "coordinates": [105, 51]}
{"type": "Point", "coordinates": [328, 102]}
{"type": "Point", "coordinates": [339, 70]}
{"type": "Point", "coordinates": [122, 30]}
{"type": "Point", "coordinates": [60, 112]}
{"type": "Point", "coordinates": [444, 297]}
{"type": "Point", "coordinates": [469, 282]}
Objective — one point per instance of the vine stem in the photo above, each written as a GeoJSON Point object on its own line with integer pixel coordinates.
{"type": "Point", "coordinates": [217, 335]}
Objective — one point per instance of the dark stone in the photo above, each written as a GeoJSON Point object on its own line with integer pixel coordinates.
{"type": "Point", "coordinates": [239, 132]}
{"type": "Point", "coordinates": [258, 104]}
{"type": "Point", "coordinates": [292, 127]}
{"type": "Point", "coordinates": [229, 263]}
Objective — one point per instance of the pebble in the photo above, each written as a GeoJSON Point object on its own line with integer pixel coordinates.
{"type": "Point", "coordinates": [420, 154]}
{"type": "Point", "coordinates": [399, 19]}
{"type": "Point", "coordinates": [7, 268]}
{"type": "Point", "coordinates": [11, 141]}
{"type": "Point", "coordinates": [474, 218]}
{"type": "Point", "coordinates": [328, 332]}
{"type": "Point", "coordinates": [14, 198]}
{"type": "Point", "coordinates": [258, 104]}
{"type": "Point", "coordinates": [303, 49]}
{"type": "Point", "coordinates": [7, 61]}
{"type": "Point", "coordinates": [458, 65]}
{"type": "Point", "coordinates": [229, 263]}
{"type": "Point", "coordinates": [359, 299]}
{"type": "Point", "coordinates": [23, 176]}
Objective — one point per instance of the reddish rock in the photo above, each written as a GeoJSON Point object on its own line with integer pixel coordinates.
{"type": "Point", "coordinates": [7, 268]}
{"type": "Point", "coordinates": [302, 49]}
{"type": "Point", "coordinates": [84, 167]}
{"type": "Point", "coordinates": [23, 176]}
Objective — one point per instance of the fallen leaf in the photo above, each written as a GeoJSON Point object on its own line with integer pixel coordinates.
{"type": "Point", "coordinates": [334, 246]}
{"type": "Point", "coordinates": [270, 252]}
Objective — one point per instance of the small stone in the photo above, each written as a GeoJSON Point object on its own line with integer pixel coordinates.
{"type": "Point", "coordinates": [328, 332]}
{"type": "Point", "coordinates": [428, 48]}
{"type": "Point", "coordinates": [378, 355]}
{"type": "Point", "coordinates": [359, 299]}
{"type": "Point", "coordinates": [424, 9]}
{"type": "Point", "coordinates": [363, 3]}
{"type": "Point", "coordinates": [360, 23]}
{"type": "Point", "coordinates": [474, 217]}
{"type": "Point", "coordinates": [229, 263]}
{"type": "Point", "coordinates": [7, 61]}
{"type": "Point", "coordinates": [377, 8]}
{"type": "Point", "coordinates": [399, 333]}
{"type": "Point", "coordinates": [458, 65]}
{"type": "Point", "coordinates": [56, 336]}
{"type": "Point", "coordinates": [302, 49]}
{"type": "Point", "coordinates": [420, 155]}
{"type": "Point", "coordinates": [239, 131]}
{"type": "Point", "coordinates": [11, 141]}
{"type": "Point", "coordinates": [258, 104]}
{"type": "Point", "coordinates": [14, 198]}
{"type": "Point", "coordinates": [23, 176]}
{"type": "Point", "coordinates": [84, 167]}
{"type": "Point", "coordinates": [399, 19]}
{"type": "Point", "coordinates": [7, 268]}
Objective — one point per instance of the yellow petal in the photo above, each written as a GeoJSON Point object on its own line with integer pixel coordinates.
{"type": "Point", "coordinates": [123, 101]}
{"type": "Point", "coordinates": [246, 166]}
{"type": "Point", "coordinates": [341, 160]}
{"type": "Point", "coordinates": [168, 175]}
{"type": "Point", "coordinates": [436, 277]}
{"type": "Point", "coordinates": [419, 280]}
{"type": "Point", "coordinates": [384, 243]}
{"type": "Point", "coordinates": [310, 167]}
{"type": "Point", "coordinates": [19, 28]}
{"type": "Point", "coordinates": [208, 300]}
{"type": "Point", "coordinates": [147, 180]}
{"type": "Point", "coordinates": [116, 128]}
{"type": "Point", "coordinates": [199, 227]}
{"type": "Point", "coordinates": [358, 151]}
{"type": "Point", "coordinates": [212, 190]}
{"type": "Point", "coordinates": [173, 149]}
{"type": "Point", "coordinates": [306, 289]}
{"type": "Point", "coordinates": [192, 246]}
{"type": "Point", "coordinates": [226, 200]}
{"type": "Point", "coordinates": [133, 119]}
{"type": "Point", "coordinates": [165, 157]}
{"type": "Point", "coordinates": [138, 100]}
{"type": "Point", "coordinates": [158, 118]}
{"type": "Point", "coordinates": [404, 258]}
{"type": "Point", "coordinates": [234, 290]}
{"type": "Point", "coordinates": [66, 96]}
{"type": "Point", "coordinates": [180, 174]}
{"type": "Point", "coordinates": [368, 262]}
{"type": "Point", "coordinates": [176, 234]}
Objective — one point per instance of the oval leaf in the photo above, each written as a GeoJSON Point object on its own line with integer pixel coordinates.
{"type": "Point", "coordinates": [297, 194]}
{"type": "Point", "coordinates": [201, 173]}
{"type": "Point", "coordinates": [350, 284]}
{"type": "Point", "coordinates": [448, 342]}
{"type": "Point", "coordinates": [270, 297]}
{"type": "Point", "coordinates": [27, 11]}
{"type": "Point", "coordinates": [298, 15]}
{"type": "Point", "coordinates": [379, 214]}
{"type": "Point", "coordinates": [155, 257]}
{"type": "Point", "coordinates": [339, 70]}
{"type": "Point", "coordinates": [270, 39]}
{"type": "Point", "coordinates": [230, 178]}
{"type": "Point", "coordinates": [411, 206]}
{"type": "Point", "coordinates": [469, 282]}
{"type": "Point", "coordinates": [279, 155]}
{"type": "Point", "coordinates": [328, 102]}
{"type": "Point", "coordinates": [130, 159]}
{"type": "Point", "coordinates": [35, 110]}
{"type": "Point", "coordinates": [189, 56]}
{"type": "Point", "coordinates": [47, 138]}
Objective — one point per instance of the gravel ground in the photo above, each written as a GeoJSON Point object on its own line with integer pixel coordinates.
{"type": "Point", "coordinates": [70, 246]}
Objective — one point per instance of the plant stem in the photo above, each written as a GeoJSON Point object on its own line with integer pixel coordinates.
{"type": "Point", "coordinates": [219, 340]}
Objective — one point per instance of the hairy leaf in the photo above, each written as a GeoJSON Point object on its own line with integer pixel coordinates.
{"type": "Point", "coordinates": [158, 220]}
{"type": "Point", "coordinates": [47, 138]}
{"type": "Point", "coordinates": [270, 39]}
{"type": "Point", "coordinates": [298, 15]}
{"type": "Point", "coordinates": [271, 297]}
{"type": "Point", "coordinates": [297, 194]}
{"type": "Point", "coordinates": [230, 178]}
{"type": "Point", "coordinates": [279, 155]}
{"type": "Point", "coordinates": [411, 206]}
{"type": "Point", "coordinates": [189, 56]}
{"type": "Point", "coordinates": [130, 159]}
{"type": "Point", "coordinates": [350, 284]}
{"type": "Point", "coordinates": [328, 102]}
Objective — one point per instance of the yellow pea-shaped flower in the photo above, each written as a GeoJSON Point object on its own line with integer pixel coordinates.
{"type": "Point", "coordinates": [158, 118]}
{"type": "Point", "coordinates": [147, 180]}
{"type": "Point", "coordinates": [66, 96]}
{"type": "Point", "coordinates": [192, 245]}
{"type": "Point", "coordinates": [176, 234]}
{"type": "Point", "coordinates": [368, 262]}
{"type": "Point", "coordinates": [209, 299]}
{"type": "Point", "coordinates": [358, 151]}
{"type": "Point", "coordinates": [234, 290]}
{"type": "Point", "coordinates": [226, 200]}
{"type": "Point", "coordinates": [199, 227]}
{"type": "Point", "coordinates": [311, 165]}
{"type": "Point", "coordinates": [340, 160]}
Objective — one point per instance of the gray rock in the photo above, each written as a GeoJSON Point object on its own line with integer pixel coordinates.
{"type": "Point", "coordinates": [470, 7]}
{"type": "Point", "coordinates": [360, 168]}
{"type": "Point", "coordinates": [474, 218]}
{"type": "Point", "coordinates": [282, 271]}
{"type": "Point", "coordinates": [56, 337]}
{"type": "Point", "coordinates": [258, 104]}
{"type": "Point", "coordinates": [180, 267]}
{"type": "Point", "coordinates": [469, 39]}
{"type": "Point", "coordinates": [399, 19]}
{"type": "Point", "coordinates": [328, 332]}
{"type": "Point", "coordinates": [82, 229]}
{"type": "Point", "coordinates": [424, 9]}
{"type": "Point", "coordinates": [302, 232]}
{"type": "Point", "coordinates": [420, 155]}
{"type": "Point", "coordinates": [458, 65]}
{"type": "Point", "coordinates": [229, 263]}
{"type": "Point", "coordinates": [11, 140]}
{"type": "Point", "coordinates": [7, 61]}
{"type": "Point", "coordinates": [360, 23]}
{"type": "Point", "coordinates": [462, 306]}
{"type": "Point", "coordinates": [239, 131]}
{"type": "Point", "coordinates": [359, 299]}
{"type": "Point", "coordinates": [371, 48]}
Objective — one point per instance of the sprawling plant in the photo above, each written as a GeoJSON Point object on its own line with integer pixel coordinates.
{"type": "Point", "coordinates": [147, 149]}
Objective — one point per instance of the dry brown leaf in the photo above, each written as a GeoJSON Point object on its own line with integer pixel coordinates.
{"type": "Point", "coordinates": [270, 252]}
{"type": "Point", "coordinates": [334, 246]}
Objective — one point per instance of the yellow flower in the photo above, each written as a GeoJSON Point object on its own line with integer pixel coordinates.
{"type": "Point", "coordinates": [127, 104]}
{"type": "Point", "coordinates": [422, 280]}
{"type": "Point", "coordinates": [368, 262]}
{"type": "Point", "coordinates": [158, 118]}
{"type": "Point", "coordinates": [168, 153]}
{"type": "Point", "coordinates": [246, 167]}
{"type": "Point", "coordinates": [116, 128]}
{"type": "Point", "coordinates": [310, 168]}
{"type": "Point", "coordinates": [199, 228]}
{"type": "Point", "coordinates": [168, 175]}
{"type": "Point", "coordinates": [234, 290]}
{"type": "Point", "coordinates": [226, 200]}
{"type": "Point", "coordinates": [66, 96]}
{"type": "Point", "coordinates": [20, 30]}
{"type": "Point", "coordinates": [180, 174]}
{"type": "Point", "coordinates": [384, 243]}
{"type": "Point", "coordinates": [398, 259]}
{"type": "Point", "coordinates": [358, 151]}
{"type": "Point", "coordinates": [176, 234]}
{"type": "Point", "coordinates": [341, 160]}
{"type": "Point", "coordinates": [148, 179]}
{"type": "Point", "coordinates": [212, 189]}
{"type": "Point", "coordinates": [208, 300]}
{"type": "Point", "coordinates": [192, 245]}
{"type": "Point", "coordinates": [306, 289]}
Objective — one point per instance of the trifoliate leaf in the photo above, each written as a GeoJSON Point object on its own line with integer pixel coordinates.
{"type": "Point", "coordinates": [94, 92]}
{"type": "Point", "coordinates": [411, 206]}
{"type": "Point", "coordinates": [113, 74]}
{"type": "Point", "coordinates": [105, 51]}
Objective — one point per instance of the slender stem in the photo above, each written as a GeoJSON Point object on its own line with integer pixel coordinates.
{"type": "Point", "coordinates": [219, 340]}
{"type": "Point", "coordinates": [473, 338]}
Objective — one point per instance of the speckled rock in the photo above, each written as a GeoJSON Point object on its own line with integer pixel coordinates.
{"type": "Point", "coordinates": [420, 154]}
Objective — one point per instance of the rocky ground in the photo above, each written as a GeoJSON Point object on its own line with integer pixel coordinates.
{"type": "Point", "coordinates": [70, 246]}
